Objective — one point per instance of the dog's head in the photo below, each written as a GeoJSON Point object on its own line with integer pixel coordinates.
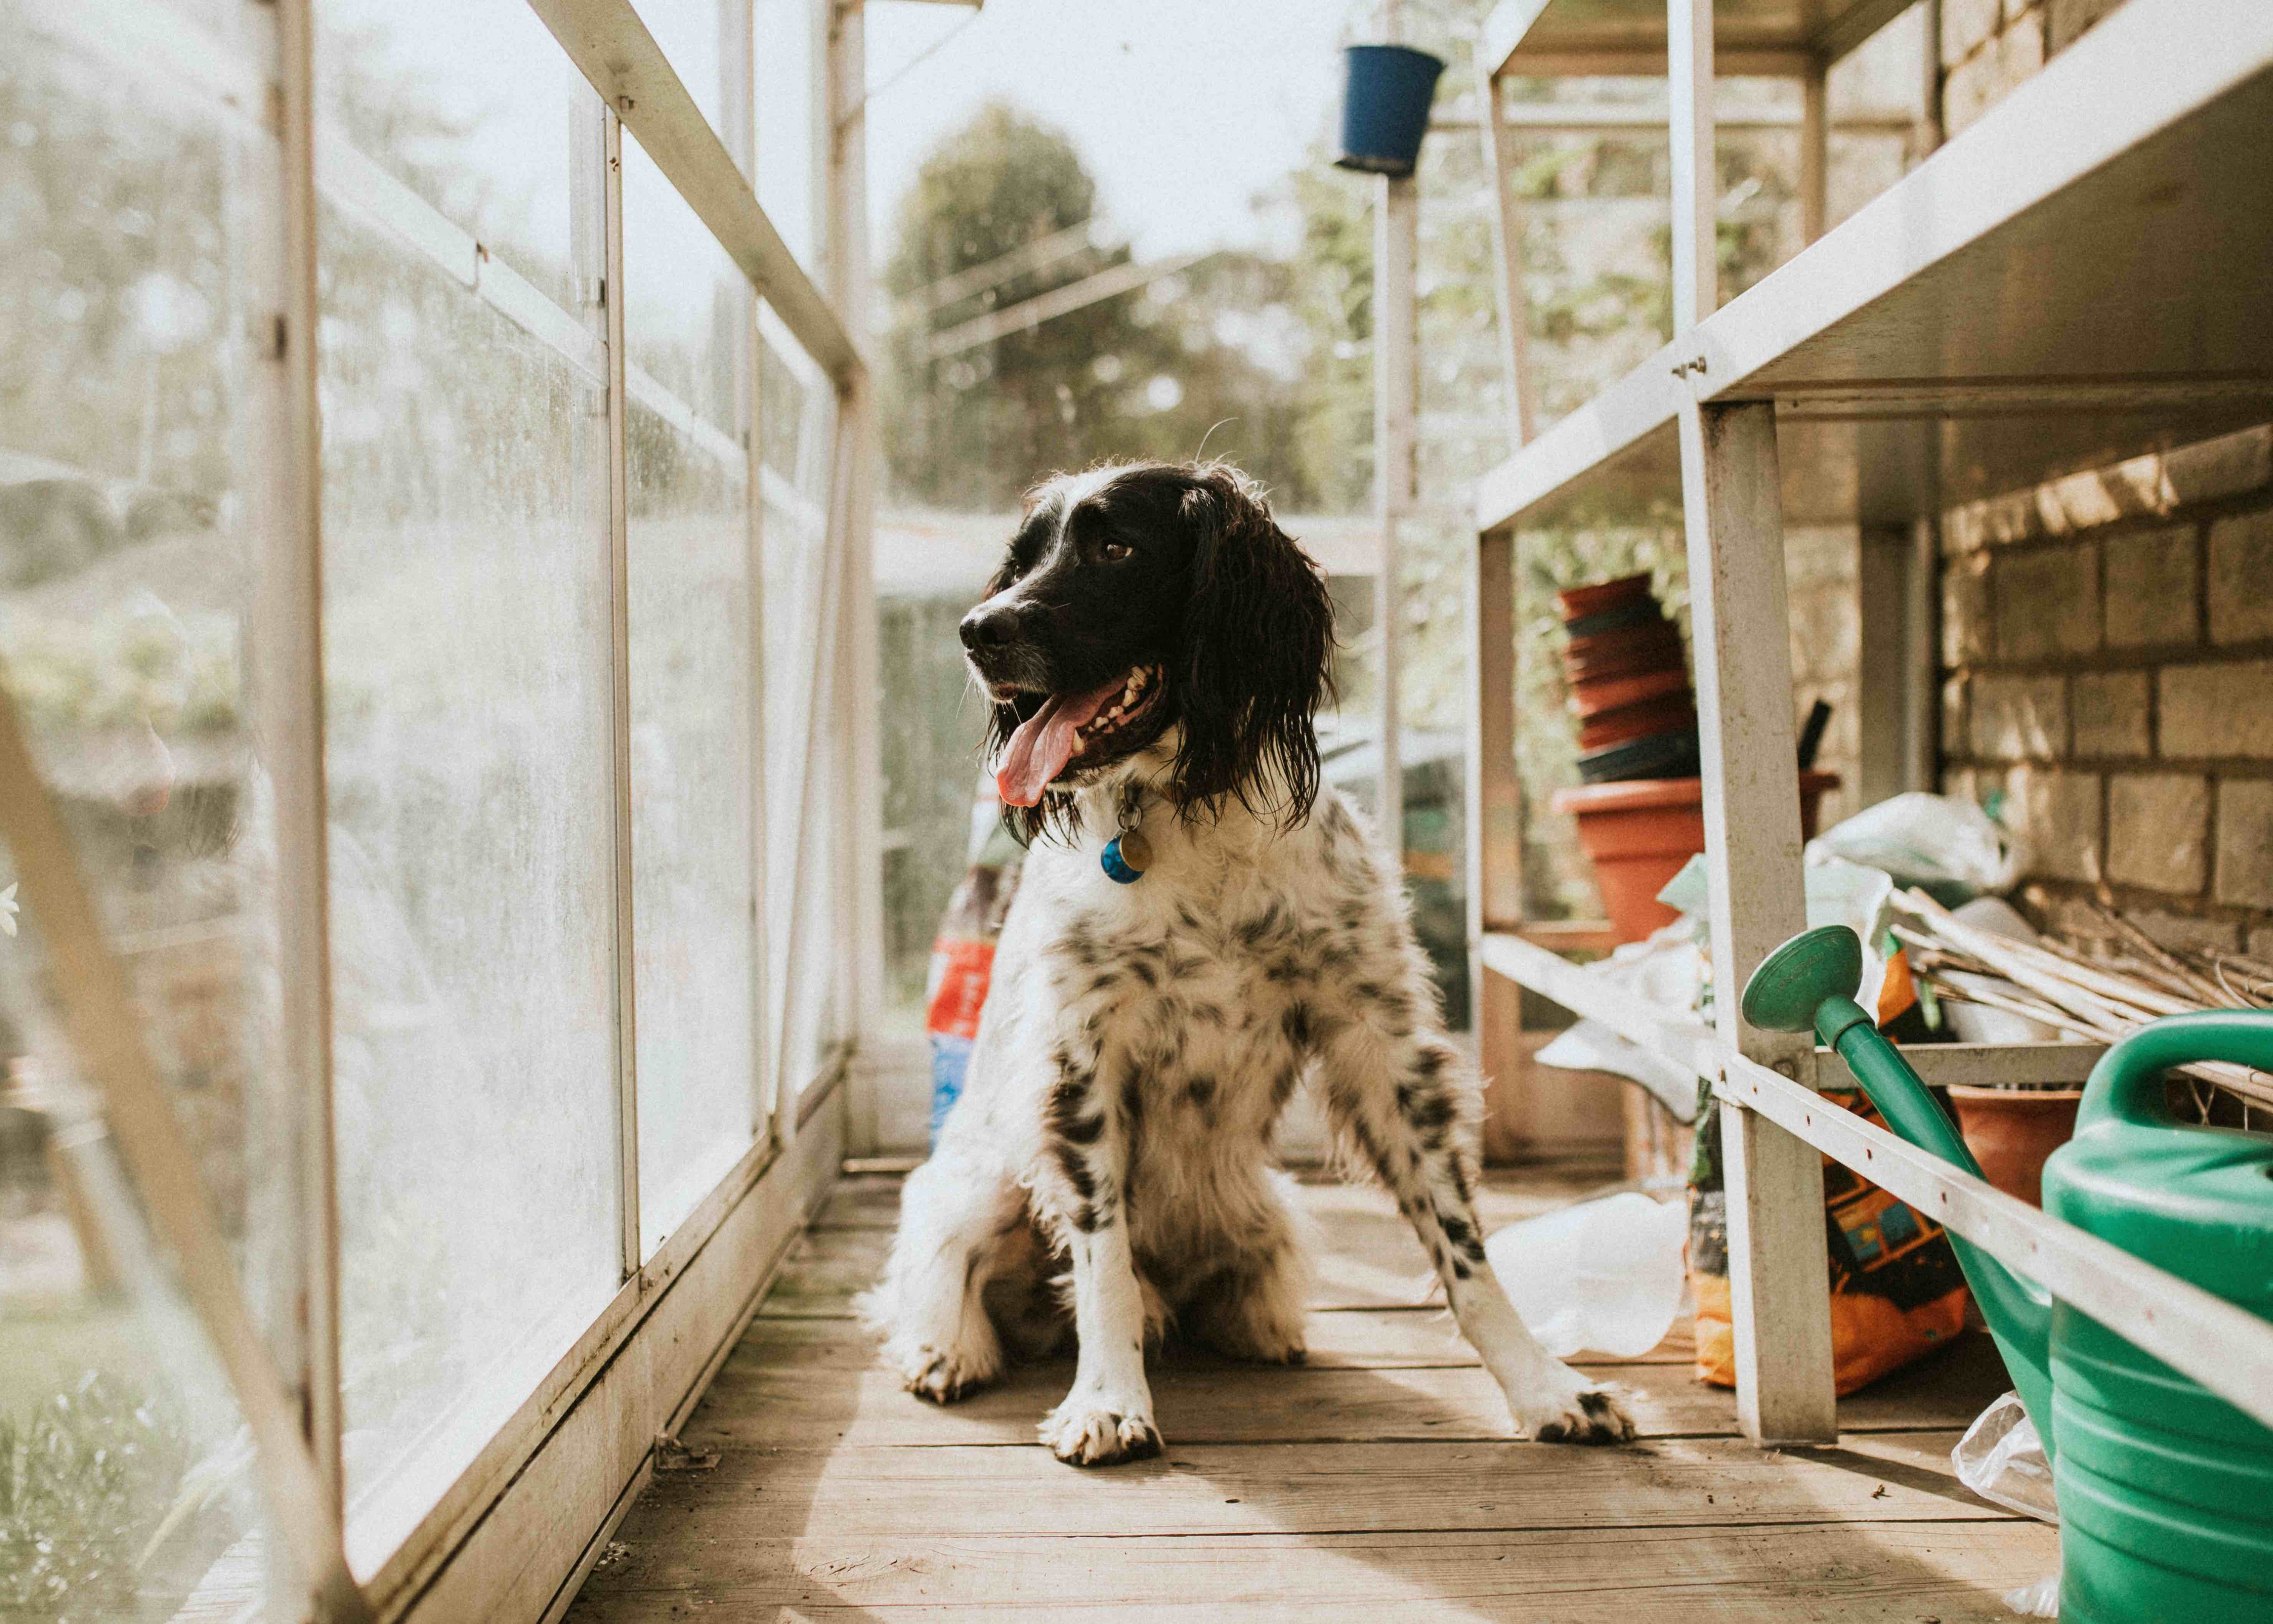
{"type": "Point", "coordinates": [1153, 612]}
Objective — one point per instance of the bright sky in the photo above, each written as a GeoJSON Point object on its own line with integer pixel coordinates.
{"type": "Point", "coordinates": [1183, 109]}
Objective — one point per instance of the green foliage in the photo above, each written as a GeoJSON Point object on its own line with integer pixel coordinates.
{"type": "Point", "coordinates": [1147, 373]}
{"type": "Point", "coordinates": [84, 1481]}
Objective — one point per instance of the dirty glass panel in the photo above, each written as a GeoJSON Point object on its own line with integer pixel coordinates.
{"type": "Point", "coordinates": [805, 785]}
{"type": "Point", "coordinates": [693, 743]}
{"type": "Point", "coordinates": [467, 692]}
{"type": "Point", "coordinates": [693, 34]}
{"type": "Point", "coordinates": [131, 541]}
{"type": "Point", "coordinates": [789, 60]}
{"type": "Point", "coordinates": [459, 106]}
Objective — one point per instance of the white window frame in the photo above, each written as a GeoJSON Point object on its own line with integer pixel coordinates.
{"type": "Point", "coordinates": [510, 1536]}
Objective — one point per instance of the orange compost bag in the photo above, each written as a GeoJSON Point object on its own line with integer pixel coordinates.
{"type": "Point", "coordinates": [1897, 1293]}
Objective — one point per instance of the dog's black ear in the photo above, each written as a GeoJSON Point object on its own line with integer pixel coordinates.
{"type": "Point", "coordinates": [1258, 629]}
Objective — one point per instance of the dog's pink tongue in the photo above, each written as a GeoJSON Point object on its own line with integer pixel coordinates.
{"type": "Point", "coordinates": [1045, 741]}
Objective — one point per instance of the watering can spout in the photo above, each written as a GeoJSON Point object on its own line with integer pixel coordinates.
{"type": "Point", "coordinates": [1810, 982]}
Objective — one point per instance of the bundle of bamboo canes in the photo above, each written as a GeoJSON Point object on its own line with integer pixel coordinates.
{"type": "Point", "coordinates": [2101, 996]}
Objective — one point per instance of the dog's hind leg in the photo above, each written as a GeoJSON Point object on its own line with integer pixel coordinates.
{"type": "Point", "coordinates": [1400, 1095]}
{"type": "Point", "coordinates": [1255, 1308]}
{"type": "Point", "coordinates": [958, 1225]}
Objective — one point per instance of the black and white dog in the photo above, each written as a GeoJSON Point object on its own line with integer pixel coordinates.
{"type": "Point", "coordinates": [1198, 926]}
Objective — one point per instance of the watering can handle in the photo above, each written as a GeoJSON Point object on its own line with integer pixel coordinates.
{"type": "Point", "coordinates": [2126, 1085]}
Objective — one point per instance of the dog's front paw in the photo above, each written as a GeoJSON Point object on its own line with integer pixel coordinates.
{"type": "Point", "coordinates": [1580, 1413]}
{"type": "Point", "coordinates": [941, 1375]}
{"type": "Point", "coordinates": [1090, 1431]}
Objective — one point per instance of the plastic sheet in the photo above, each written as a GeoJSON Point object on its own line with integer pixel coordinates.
{"type": "Point", "coordinates": [2001, 1459]}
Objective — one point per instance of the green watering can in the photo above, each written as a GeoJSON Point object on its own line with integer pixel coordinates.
{"type": "Point", "coordinates": [2165, 1490]}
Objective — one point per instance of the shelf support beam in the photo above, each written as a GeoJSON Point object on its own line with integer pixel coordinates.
{"type": "Point", "coordinates": [1396, 251]}
{"type": "Point", "coordinates": [1778, 1279]}
{"type": "Point", "coordinates": [1695, 190]}
{"type": "Point", "coordinates": [1507, 256]}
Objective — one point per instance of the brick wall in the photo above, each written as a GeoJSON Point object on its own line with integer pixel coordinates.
{"type": "Point", "coordinates": [2107, 640]}
{"type": "Point", "coordinates": [2108, 650]}
{"type": "Point", "coordinates": [1989, 45]}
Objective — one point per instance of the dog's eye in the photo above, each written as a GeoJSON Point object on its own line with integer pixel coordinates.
{"type": "Point", "coordinates": [1114, 552]}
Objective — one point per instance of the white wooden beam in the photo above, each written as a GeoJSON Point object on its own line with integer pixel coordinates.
{"type": "Point", "coordinates": [1396, 251]}
{"type": "Point", "coordinates": [1883, 562]}
{"type": "Point", "coordinates": [2228, 1349]}
{"type": "Point", "coordinates": [1814, 155]}
{"type": "Point", "coordinates": [1696, 185]}
{"type": "Point", "coordinates": [284, 423]}
{"type": "Point", "coordinates": [612, 47]}
{"type": "Point", "coordinates": [1493, 798]}
{"type": "Point", "coordinates": [861, 782]}
{"type": "Point", "coordinates": [616, 560]}
{"type": "Point", "coordinates": [1507, 261]}
{"type": "Point", "coordinates": [1739, 617]}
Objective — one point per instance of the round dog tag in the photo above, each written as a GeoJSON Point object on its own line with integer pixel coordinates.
{"type": "Point", "coordinates": [1126, 857]}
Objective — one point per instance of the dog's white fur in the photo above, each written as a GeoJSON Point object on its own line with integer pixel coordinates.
{"type": "Point", "coordinates": [1138, 1046]}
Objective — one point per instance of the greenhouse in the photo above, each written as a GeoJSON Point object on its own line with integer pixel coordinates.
{"type": "Point", "coordinates": [743, 742]}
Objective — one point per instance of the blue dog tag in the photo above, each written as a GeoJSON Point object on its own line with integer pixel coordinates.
{"type": "Point", "coordinates": [1125, 858]}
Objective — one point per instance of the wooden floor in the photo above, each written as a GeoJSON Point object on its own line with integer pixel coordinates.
{"type": "Point", "coordinates": [1377, 1482]}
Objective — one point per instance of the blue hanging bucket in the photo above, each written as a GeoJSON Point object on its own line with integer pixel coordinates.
{"type": "Point", "coordinates": [1385, 107]}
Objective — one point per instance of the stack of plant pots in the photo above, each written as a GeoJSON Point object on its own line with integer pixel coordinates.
{"type": "Point", "coordinates": [1641, 812]}
{"type": "Point", "coordinates": [1629, 684]}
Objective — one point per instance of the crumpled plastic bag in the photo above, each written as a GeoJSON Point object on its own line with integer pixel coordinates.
{"type": "Point", "coordinates": [1945, 844]}
{"type": "Point", "coordinates": [2001, 1459]}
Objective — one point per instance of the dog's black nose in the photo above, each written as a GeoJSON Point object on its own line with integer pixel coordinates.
{"type": "Point", "coordinates": [990, 625]}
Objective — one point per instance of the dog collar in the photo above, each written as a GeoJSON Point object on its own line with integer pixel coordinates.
{"type": "Point", "coordinates": [1128, 853]}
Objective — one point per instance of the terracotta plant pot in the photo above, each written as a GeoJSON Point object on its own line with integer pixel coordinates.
{"type": "Point", "coordinates": [2012, 1131]}
{"type": "Point", "coordinates": [1638, 833]}
{"type": "Point", "coordinates": [1591, 699]}
{"type": "Point", "coordinates": [1577, 602]}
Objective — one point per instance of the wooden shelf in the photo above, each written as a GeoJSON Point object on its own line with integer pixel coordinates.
{"type": "Point", "coordinates": [1565, 37]}
{"type": "Point", "coordinates": [2083, 274]}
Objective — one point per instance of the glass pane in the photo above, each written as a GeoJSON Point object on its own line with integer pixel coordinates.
{"type": "Point", "coordinates": [131, 535]}
{"type": "Point", "coordinates": [694, 37]}
{"type": "Point", "coordinates": [464, 105]}
{"type": "Point", "coordinates": [467, 689]}
{"type": "Point", "coordinates": [693, 763]}
{"type": "Point", "coordinates": [789, 52]}
{"type": "Point", "coordinates": [803, 775]}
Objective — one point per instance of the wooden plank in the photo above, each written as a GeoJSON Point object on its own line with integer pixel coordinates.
{"type": "Point", "coordinates": [1507, 257]}
{"type": "Point", "coordinates": [776, 1398]}
{"type": "Point", "coordinates": [824, 1269]}
{"type": "Point", "coordinates": [861, 1494]}
{"type": "Point", "coordinates": [1732, 504]}
{"type": "Point", "coordinates": [1984, 1065]}
{"type": "Point", "coordinates": [862, 1201]}
{"type": "Point", "coordinates": [1339, 1339]}
{"type": "Point", "coordinates": [1849, 1574]}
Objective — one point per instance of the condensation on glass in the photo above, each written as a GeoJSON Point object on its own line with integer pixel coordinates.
{"type": "Point", "coordinates": [802, 651]}
{"type": "Point", "coordinates": [689, 322]}
{"type": "Point", "coordinates": [132, 188]}
{"type": "Point", "coordinates": [468, 695]}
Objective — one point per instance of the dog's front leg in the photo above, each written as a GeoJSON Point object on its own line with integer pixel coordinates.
{"type": "Point", "coordinates": [1401, 1095]}
{"type": "Point", "coordinates": [1108, 1417]}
